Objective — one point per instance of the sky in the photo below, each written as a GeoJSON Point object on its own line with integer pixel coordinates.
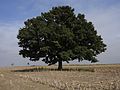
{"type": "Point", "coordinates": [105, 15]}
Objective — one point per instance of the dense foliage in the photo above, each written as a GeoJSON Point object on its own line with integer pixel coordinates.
{"type": "Point", "coordinates": [60, 35]}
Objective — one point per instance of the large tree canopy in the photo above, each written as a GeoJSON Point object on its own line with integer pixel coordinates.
{"type": "Point", "coordinates": [60, 35]}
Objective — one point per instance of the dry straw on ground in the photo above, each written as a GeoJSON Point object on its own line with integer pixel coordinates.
{"type": "Point", "coordinates": [79, 77]}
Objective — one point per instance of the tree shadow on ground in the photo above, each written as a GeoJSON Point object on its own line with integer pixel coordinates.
{"type": "Point", "coordinates": [53, 69]}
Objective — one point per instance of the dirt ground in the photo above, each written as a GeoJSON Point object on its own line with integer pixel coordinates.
{"type": "Point", "coordinates": [104, 77]}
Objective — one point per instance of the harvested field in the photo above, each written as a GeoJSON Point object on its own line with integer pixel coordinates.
{"type": "Point", "coordinates": [73, 77]}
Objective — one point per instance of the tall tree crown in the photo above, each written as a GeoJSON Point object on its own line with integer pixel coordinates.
{"type": "Point", "coordinates": [60, 35]}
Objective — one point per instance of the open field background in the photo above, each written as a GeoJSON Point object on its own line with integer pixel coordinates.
{"type": "Point", "coordinates": [73, 77]}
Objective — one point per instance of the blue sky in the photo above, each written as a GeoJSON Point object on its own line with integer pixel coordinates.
{"type": "Point", "coordinates": [105, 15]}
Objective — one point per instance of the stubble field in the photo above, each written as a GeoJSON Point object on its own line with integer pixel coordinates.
{"type": "Point", "coordinates": [72, 77]}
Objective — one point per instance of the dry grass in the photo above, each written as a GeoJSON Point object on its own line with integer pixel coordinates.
{"type": "Point", "coordinates": [79, 77]}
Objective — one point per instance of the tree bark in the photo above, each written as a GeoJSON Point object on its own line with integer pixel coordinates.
{"type": "Point", "coordinates": [60, 65]}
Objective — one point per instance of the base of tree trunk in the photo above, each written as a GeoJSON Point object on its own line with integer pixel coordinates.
{"type": "Point", "coordinates": [59, 65]}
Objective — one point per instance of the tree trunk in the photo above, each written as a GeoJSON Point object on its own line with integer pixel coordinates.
{"type": "Point", "coordinates": [60, 65]}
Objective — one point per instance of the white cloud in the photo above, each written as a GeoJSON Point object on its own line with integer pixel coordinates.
{"type": "Point", "coordinates": [8, 35]}
{"type": "Point", "coordinates": [106, 21]}
{"type": "Point", "coordinates": [8, 43]}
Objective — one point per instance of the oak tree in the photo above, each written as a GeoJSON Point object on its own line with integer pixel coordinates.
{"type": "Point", "coordinates": [60, 35]}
